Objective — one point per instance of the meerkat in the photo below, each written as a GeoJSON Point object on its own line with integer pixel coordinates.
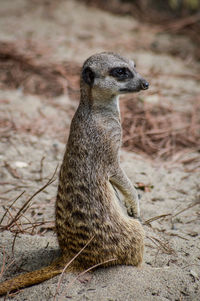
{"type": "Point", "coordinates": [88, 211]}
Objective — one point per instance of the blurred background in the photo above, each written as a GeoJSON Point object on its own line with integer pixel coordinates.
{"type": "Point", "coordinates": [43, 44]}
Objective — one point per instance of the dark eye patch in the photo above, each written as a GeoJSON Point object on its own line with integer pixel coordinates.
{"type": "Point", "coordinates": [121, 73]}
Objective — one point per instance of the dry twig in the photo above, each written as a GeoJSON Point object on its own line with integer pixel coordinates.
{"type": "Point", "coordinates": [163, 246]}
{"type": "Point", "coordinates": [83, 273]}
{"type": "Point", "coordinates": [152, 219]}
{"type": "Point", "coordinates": [196, 202]}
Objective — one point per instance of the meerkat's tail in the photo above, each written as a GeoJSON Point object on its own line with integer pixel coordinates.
{"type": "Point", "coordinates": [31, 278]}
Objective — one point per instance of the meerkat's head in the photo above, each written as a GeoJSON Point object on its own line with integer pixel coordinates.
{"type": "Point", "coordinates": [108, 74]}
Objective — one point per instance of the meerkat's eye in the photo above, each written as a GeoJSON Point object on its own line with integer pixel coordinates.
{"type": "Point", "coordinates": [121, 73]}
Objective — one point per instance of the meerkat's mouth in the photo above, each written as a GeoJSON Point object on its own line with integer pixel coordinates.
{"type": "Point", "coordinates": [144, 85]}
{"type": "Point", "coordinates": [126, 90]}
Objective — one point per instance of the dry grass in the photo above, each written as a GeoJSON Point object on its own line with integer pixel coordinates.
{"type": "Point", "coordinates": [19, 222]}
{"type": "Point", "coordinates": [160, 131]}
{"type": "Point", "coordinates": [22, 66]}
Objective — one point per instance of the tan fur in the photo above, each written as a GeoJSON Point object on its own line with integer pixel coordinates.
{"type": "Point", "coordinates": [87, 205]}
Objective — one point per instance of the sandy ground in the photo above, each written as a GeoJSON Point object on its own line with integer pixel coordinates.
{"type": "Point", "coordinates": [29, 156]}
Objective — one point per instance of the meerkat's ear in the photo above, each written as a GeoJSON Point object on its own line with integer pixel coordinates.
{"type": "Point", "coordinates": [88, 76]}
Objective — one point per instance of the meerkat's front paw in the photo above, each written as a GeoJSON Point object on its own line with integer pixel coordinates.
{"type": "Point", "coordinates": [133, 212]}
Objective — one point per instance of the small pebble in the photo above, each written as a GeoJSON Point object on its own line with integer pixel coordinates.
{"type": "Point", "coordinates": [20, 164]}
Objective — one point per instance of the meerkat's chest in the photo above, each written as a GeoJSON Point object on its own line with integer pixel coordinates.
{"type": "Point", "coordinates": [112, 129]}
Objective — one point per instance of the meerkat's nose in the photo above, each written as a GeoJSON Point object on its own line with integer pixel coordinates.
{"type": "Point", "coordinates": [144, 84]}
